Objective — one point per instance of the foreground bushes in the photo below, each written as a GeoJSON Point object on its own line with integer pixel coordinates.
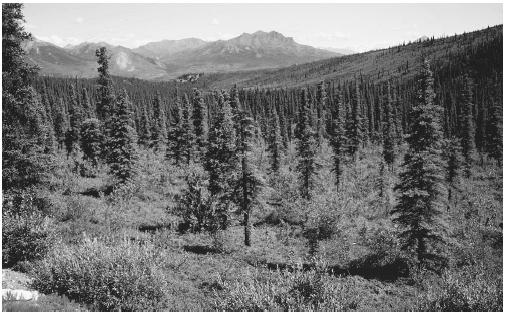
{"type": "Point", "coordinates": [284, 291]}
{"type": "Point", "coordinates": [25, 237]}
{"type": "Point", "coordinates": [471, 289]}
{"type": "Point", "coordinates": [123, 277]}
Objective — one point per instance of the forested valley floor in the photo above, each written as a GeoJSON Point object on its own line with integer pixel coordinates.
{"type": "Point", "coordinates": [378, 190]}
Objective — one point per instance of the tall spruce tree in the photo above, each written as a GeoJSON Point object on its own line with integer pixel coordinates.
{"type": "Point", "coordinates": [123, 153]}
{"type": "Point", "coordinates": [305, 148]}
{"type": "Point", "coordinates": [467, 126]}
{"type": "Point", "coordinates": [159, 126]}
{"type": "Point", "coordinates": [275, 143]}
{"type": "Point", "coordinates": [338, 139]}
{"type": "Point", "coordinates": [105, 90]}
{"type": "Point", "coordinates": [220, 161]}
{"type": "Point", "coordinates": [26, 160]}
{"type": "Point", "coordinates": [199, 122]}
{"type": "Point", "coordinates": [353, 128]}
{"type": "Point", "coordinates": [388, 149]}
{"type": "Point", "coordinates": [248, 183]}
{"type": "Point", "coordinates": [174, 137]}
{"type": "Point", "coordinates": [188, 137]}
{"type": "Point", "coordinates": [453, 157]}
{"type": "Point", "coordinates": [144, 137]}
{"type": "Point", "coordinates": [422, 190]}
{"type": "Point", "coordinates": [91, 140]}
{"type": "Point", "coordinates": [321, 107]}
{"type": "Point", "coordinates": [72, 136]}
{"type": "Point", "coordinates": [494, 132]}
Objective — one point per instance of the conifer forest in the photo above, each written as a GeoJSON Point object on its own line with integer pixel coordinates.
{"type": "Point", "coordinates": [369, 181]}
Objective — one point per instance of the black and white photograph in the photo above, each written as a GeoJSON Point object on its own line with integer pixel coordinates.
{"type": "Point", "coordinates": [252, 157]}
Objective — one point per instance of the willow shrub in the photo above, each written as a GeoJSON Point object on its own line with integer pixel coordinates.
{"type": "Point", "coordinates": [123, 277]}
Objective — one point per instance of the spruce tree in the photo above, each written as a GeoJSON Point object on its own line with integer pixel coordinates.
{"type": "Point", "coordinates": [159, 126]}
{"type": "Point", "coordinates": [467, 126]}
{"type": "Point", "coordinates": [60, 125]}
{"type": "Point", "coordinates": [199, 122]}
{"type": "Point", "coordinates": [388, 149]}
{"type": "Point", "coordinates": [338, 139]}
{"type": "Point", "coordinates": [353, 128]}
{"type": "Point", "coordinates": [174, 137]}
{"type": "Point", "coordinates": [88, 111]}
{"type": "Point", "coordinates": [26, 161]}
{"type": "Point", "coordinates": [275, 143]}
{"type": "Point", "coordinates": [144, 129]}
{"type": "Point", "coordinates": [105, 90]}
{"type": "Point", "coordinates": [305, 148]}
{"type": "Point", "coordinates": [220, 161]}
{"type": "Point", "coordinates": [123, 153]}
{"type": "Point", "coordinates": [321, 106]}
{"type": "Point", "coordinates": [248, 183]}
{"type": "Point", "coordinates": [494, 132]}
{"type": "Point", "coordinates": [422, 190]}
{"type": "Point", "coordinates": [91, 140]}
{"type": "Point", "coordinates": [72, 135]}
{"type": "Point", "coordinates": [187, 135]}
{"type": "Point", "coordinates": [453, 157]}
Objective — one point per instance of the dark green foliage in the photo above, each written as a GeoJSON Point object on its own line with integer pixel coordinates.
{"type": "Point", "coordinates": [305, 148]}
{"type": "Point", "coordinates": [26, 159]}
{"type": "Point", "coordinates": [174, 138]}
{"type": "Point", "coordinates": [60, 125]}
{"type": "Point", "coordinates": [454, 161]}
{"type": "Point", "coordinates": [199, 121]}
{"type": "Point", "coordinates": [494, 130]}
{"type": "Point", "coordinates": [467, 126]}
{"type": "Point", "coordinates": [122, 156]}
{"type": "Point", "coordinates": [421, 188]}
{"type": "Point", "coordinates": [25, 237]}
{"type": "Point", "coordinates": [89, 112]}
{"type": "Point", "coordinates": [321, 107]}
{"type": "Point", "coordinates": [105, 90]}
{"type": "Point", "coordinates": [220, 160]}
{"type": "Point", "coordinates": [248, 183]}
{"type": "Point", "coordinates": [72, 135]}
{"type": "Point", "coordinates": [193, 205]}
{"type": "Point", "coordinates": [353, 127]}
{"type": "Point", "coordinates": [144, 129]}
{"type": "Point", "coordinates": [338, 139]}
{"type": "Point", "coordinates": [91, 140]}
{"type": "Point", "coordinates": [275, 143]}
{"type": "Point", "coordinates": [159, 125]}
{"type": "Point", "coordinates": [388, 129]}
{"type": "Point", "coordinates": [187, 136]}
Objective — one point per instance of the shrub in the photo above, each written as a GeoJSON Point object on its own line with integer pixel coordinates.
{"type": "Point", "coordinates": [471, 289]}
{"type": "Point", "coordinates": [25, 237]}
{"type": "Point", "coordinates": [123, 277]}
{"type": "Point", "coordinates": [286, 291]}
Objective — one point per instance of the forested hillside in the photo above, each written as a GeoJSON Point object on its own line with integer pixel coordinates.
{"type": "Point", "coordinates": [371, 182]}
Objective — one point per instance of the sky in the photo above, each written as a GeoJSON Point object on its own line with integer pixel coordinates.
{"type": "Point", "coordinates": [359, 27]}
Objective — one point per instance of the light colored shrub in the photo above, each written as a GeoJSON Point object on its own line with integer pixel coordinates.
{"type": "Point", "coordinates": [122, 277]}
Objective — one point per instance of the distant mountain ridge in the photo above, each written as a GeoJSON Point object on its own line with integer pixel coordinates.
{"type": "Point", "coordinates": [167, 59]}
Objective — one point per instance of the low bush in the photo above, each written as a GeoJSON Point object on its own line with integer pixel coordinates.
{"type": "Point", "coordinates": [469, 289]}
{"type": "Point", "coordinates": [121, 277]}
{"type": "Point", "coordinates": [281, 291]}
{"type": "Point", "coordinates": [25, 237]}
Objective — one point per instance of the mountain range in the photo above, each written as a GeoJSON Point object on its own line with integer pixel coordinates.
{"type": "Point", "coordinates": [168, 59]}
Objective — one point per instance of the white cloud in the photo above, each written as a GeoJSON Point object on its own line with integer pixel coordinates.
{"type": "Point", "coordinates": [215, 21]}
{"type": "Point", "coordinates": [79, 19]}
